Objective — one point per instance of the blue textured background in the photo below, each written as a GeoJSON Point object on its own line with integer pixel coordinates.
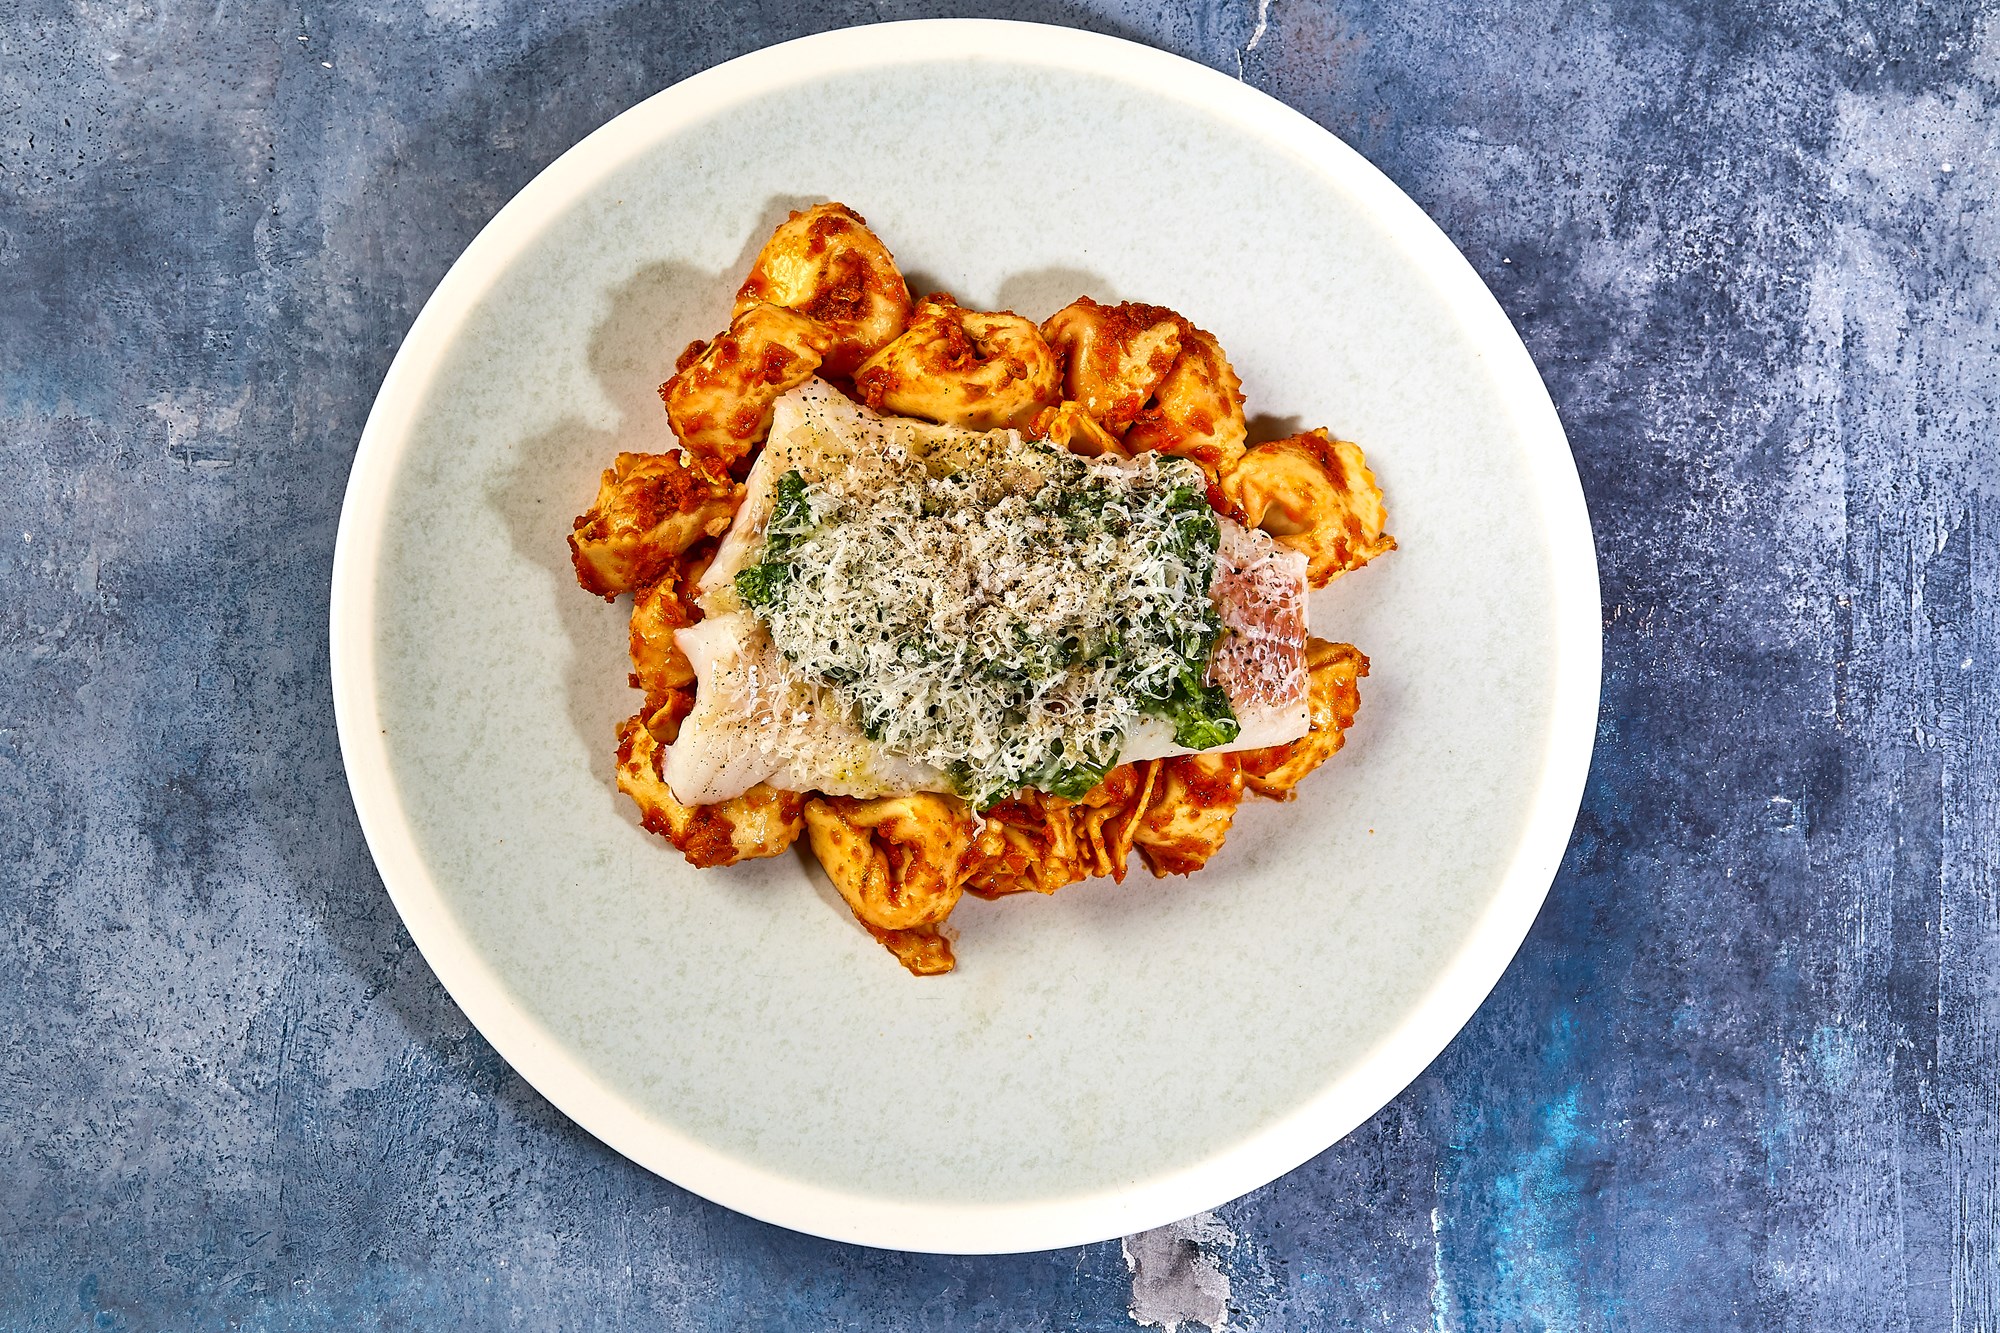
{"type": "Point", "coordinates": [1743, 1072]}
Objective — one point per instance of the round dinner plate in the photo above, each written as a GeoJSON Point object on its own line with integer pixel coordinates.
{"type": "Point", "coordinates": [1104, 1060]}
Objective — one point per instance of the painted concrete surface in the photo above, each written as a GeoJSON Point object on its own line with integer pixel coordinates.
{"type": "Point", "coordinates": [1741, 1076]}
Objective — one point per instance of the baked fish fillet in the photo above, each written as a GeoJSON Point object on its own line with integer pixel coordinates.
{"type": "Point", "coordinates": [755, 720]}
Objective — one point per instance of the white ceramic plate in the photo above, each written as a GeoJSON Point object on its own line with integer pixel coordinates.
{"type": "Point", "coordinates": [1106, 1060]}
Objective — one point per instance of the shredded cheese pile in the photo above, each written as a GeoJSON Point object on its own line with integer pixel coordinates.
{"type": "Point", "coordinates": [1003, 616]}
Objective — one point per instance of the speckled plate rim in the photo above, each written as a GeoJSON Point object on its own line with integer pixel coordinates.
{"type": "Point", "coordinates": [943, 1227]}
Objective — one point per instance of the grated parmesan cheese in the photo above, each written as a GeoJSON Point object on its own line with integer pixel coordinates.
{"type": "Point", "coordinates": [1002, 611]}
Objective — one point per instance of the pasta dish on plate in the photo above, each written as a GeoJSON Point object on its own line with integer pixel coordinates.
{"type": "Point", "coordinates": [974, 605]}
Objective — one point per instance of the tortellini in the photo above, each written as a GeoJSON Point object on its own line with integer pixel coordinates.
{"type": "Point", "coordinates": [1151, 379]}
{"type": "Point", "coordinates": [900, 863]}
{"type": "Point", "coordinates": [659, 667]}
{"type": "Point", "coordinates": [1070, 426]}
{"type": "Point", "coordinates": [1316, 495]}
{"type": "Point", "coordinates": [895, 859]}
{"type": "Point", "coordinates": [1028, 843]}
{"type": "Point", "coordinates": [1334, 671]}
{"type": "Point", "coordinates": [720, 399]}
{"type": "Point", "coordinates": [1197, 411]}
{"type": "Point", "coordinates": [761, 822]}
{"type": "Point", "coordinates": [649, 509]}
{"type": "Point", "coordinates": [825, 264]}
{"type": "Point", "coordinates": [958, 367]}
{"type": "Point", "coordinates": [1107, 819]}
{"type": "Point", "coordinates": [923, 950]}
{"type": "Point", "coordinates": [1114, 356]}
{"type": "Point", "coordinates": [1189, 811]}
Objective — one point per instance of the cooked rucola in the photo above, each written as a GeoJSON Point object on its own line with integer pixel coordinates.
{"type": "Point", "coordinates": [978, 605]}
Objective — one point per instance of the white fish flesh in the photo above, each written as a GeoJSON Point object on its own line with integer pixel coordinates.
{"type": "Point", "coordinates": [754, 720]}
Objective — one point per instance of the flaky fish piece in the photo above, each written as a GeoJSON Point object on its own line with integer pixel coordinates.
{"type": "Point", "coordinates": [761, 821]}
{"type": "Point", "coordinates": [755, 721]}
